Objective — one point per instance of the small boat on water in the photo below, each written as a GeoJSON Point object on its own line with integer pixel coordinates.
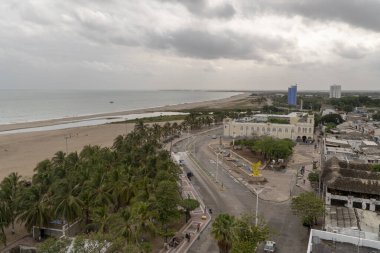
{"type": "Point", "coordinates": [111, 102]}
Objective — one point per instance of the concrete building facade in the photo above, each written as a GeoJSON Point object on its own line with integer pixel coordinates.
{"type": "Point", "coordinates": [295, 126]}
{"type": "Point", "coordinates": [335, 91]}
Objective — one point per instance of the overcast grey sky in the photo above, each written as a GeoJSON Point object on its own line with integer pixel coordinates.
{"type": "Point", "coordinates": [189, 44]}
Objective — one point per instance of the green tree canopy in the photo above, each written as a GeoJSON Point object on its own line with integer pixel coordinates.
{"type": "Point", "coordinates": [189, 205]}
{"type": "Point", "coordinates": [332, 118]}
{"type": "Point", "coordinates": [238, 235]}
{"type": "Point", "coordinates": [269, 147]}
{"type": "Point", "coordinates": [308, 206]}
{"type": "Point", "coordinates": [376, 116]}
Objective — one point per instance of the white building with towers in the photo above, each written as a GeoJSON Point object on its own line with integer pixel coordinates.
{"type": "Point", "coordinates": [335, 91]}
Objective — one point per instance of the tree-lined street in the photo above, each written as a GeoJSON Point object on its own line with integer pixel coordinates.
{"type": "Point", "coordinates": [234, 198]}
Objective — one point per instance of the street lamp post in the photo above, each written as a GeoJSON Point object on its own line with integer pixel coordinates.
{"type": "Point", "coordinates": [217, 167]}
{"type": "Point", "coordinates": [66, 138]}
{"type": "Point", "coordinates": [257, 202]}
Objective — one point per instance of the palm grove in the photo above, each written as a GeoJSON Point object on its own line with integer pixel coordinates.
{"type": "Point", "coordinates": [128, 192]}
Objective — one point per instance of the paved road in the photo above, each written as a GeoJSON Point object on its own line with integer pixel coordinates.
{"type": "Point", "coordinates": [234, 198]}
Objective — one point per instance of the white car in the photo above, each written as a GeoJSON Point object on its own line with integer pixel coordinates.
{"type": "Point", "coordinates": [270, 246]}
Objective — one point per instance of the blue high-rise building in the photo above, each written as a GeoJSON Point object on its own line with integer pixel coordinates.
{"type": "Point", "coordinates": [292, 95]}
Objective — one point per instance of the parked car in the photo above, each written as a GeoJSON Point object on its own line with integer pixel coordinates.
{"type": "Point", "coordinates": [270, 246]}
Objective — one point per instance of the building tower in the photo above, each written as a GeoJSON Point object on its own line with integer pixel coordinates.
{"type": "Point", "coordinates": [292, 95]}
{"type": "Point", "coordinates": [335, 91]}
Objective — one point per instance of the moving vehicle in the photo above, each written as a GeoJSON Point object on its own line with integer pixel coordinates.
{"type": "Point", "coordinates": [270, 246]}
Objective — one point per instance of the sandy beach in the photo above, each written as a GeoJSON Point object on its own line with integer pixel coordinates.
{"type": "Point", "coordinates": [21, 152]}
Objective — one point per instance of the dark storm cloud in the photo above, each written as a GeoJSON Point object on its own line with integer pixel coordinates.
{"type": "Point", "coordinates": [202, 8]}
{"type": "Point", "coordinates": [227, 44]}
{"type": "Point", "coordinates": [350, 52]}
{"type": "Point", "coordinates": [359, 13]}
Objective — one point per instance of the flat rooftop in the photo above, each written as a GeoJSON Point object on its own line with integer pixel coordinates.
{"type": "Point", "coordinates": [332, 140]}
{"type": "Point", "coordinates": [339, 247]}
{"type": "Point", "coordinates": [327, 242]}
{"type": "Point", "coordinates": [370, 143]}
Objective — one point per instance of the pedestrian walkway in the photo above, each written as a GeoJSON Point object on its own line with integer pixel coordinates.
{"type": "Point", "coordinates": [199, 220]}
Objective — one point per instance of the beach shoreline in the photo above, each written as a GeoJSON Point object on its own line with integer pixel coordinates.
{"type": "Point", "coordinates": [166, 108]}
{"type": "Point", "coordinates": [20, 152]}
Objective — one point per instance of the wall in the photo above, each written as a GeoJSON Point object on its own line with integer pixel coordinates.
{"type": "Point", "coordinates": [343, 239]}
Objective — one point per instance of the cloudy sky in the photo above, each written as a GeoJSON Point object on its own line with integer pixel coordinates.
{"type": "Point", "coordinates": [201, 44]}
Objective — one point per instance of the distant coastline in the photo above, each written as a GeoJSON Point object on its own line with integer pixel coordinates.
{"type": "Point", "coordinates": [166, 108]}
{"type": "Point", "coordinates": [18, 108]}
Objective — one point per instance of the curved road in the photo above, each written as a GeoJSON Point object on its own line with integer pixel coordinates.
{"type": "Point", "coordinates": [234, 198]}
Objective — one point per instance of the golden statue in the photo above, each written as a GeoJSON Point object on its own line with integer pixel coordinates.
{"type": "Point", "coordinates": [255, 169]}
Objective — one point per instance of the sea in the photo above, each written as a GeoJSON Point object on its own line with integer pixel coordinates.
{"type": "Point", "coordinates": [20, 106]}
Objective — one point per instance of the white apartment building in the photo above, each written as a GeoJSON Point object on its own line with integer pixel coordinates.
{"type": "Point", "coordinates": [296, 126]}
{"type": "Point", "coordinates": [335, 91]}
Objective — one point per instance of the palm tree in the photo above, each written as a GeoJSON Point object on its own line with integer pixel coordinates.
{"type": "Point", "coordinates": [68, 206]}
{"type": "Point", "coordinates": [4, 220]}
{"type": "Point", "coordinates": [118, 143]}
{"type": "Point", "coordinates": [101, 219]}
{"type": "Point", "coordinates": [119, 187]}
{"type": "Point", "coordinates": [35, 207]}
{"type": "Point", "coordinates": [223, 230]}
{"type": "Point", "coordinates": [10, 190]}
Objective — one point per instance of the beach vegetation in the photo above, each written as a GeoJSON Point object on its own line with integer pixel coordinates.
{"type": "Point", "coordinates": [128, 193]}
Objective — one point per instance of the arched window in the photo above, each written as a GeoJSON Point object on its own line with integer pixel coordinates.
{"type": "Point", "coordinates": [286, 130]}
{"type": "Point", "coordinates": [268, 129]}
{"type": "Point", "coordinates": [263, 129]}
{"type": "Point", "coordinates": [258, 129]}
{"type": "Point", "coordinates": [273, 129]}
{"type": "Point", "coordinates": [299, 129]}
{"type": "Point", "coordinates": [280, 130]}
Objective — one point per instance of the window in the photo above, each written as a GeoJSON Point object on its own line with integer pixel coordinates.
{"type": "Point", "coordinates": [241, 128]}
{"type": "Point", "coordinates": [286, 130]}
{"type": "Point", "coordinates": [280, 130]}
{"type": "Point", "coordinates": [263, 129]}
{"type": "Point", "coordinates": [268, 129]}
{"type": "Point", "coordinates": [299, 129]}
{"type": "Point", "coordinates": [258, 129]}
{"type": "Point", "coordinates": [273, 129]}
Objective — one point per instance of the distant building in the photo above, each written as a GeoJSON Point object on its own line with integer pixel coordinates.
{"type": "Point", "coordinates": [292, 95]}
{"type": "Point", "coordinates": [296, 126]}
{"type": "Point", "coordinates": [335, 91]}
